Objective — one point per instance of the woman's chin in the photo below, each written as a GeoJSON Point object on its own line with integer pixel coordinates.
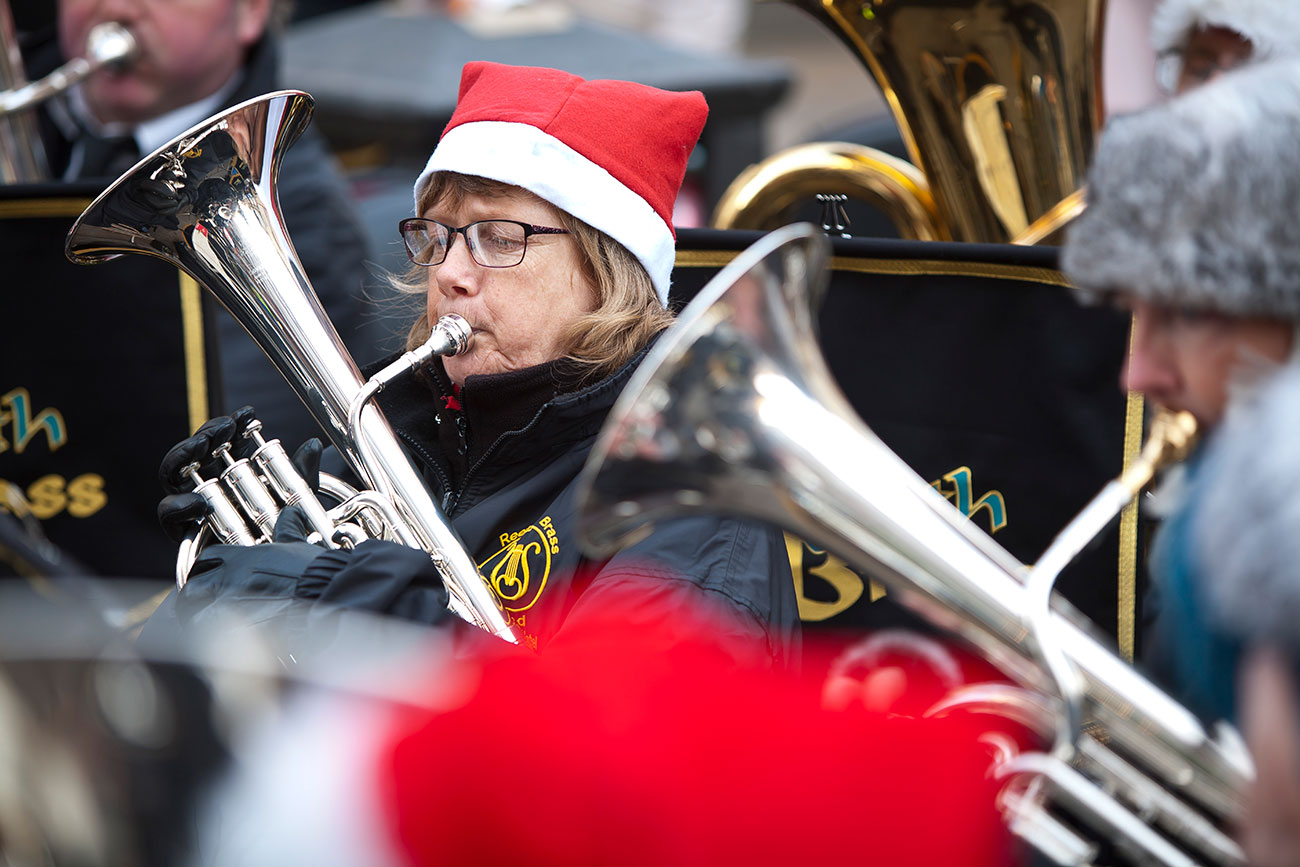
{"type": "Point", "coordinates": [455, 368]}
{"type": "Point", "coordinates": [484, 360]}
{"type": "Point", "coordinates": [460, 367]}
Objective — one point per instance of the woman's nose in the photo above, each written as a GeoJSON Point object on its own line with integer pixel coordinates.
{"type": "Point", "coordinates": [458, 273]}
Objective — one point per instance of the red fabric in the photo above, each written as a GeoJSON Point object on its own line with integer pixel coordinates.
{"type": "Point", "coordinates": [641, 135]}
{"type": "Point", "coordinates": [614, 750]}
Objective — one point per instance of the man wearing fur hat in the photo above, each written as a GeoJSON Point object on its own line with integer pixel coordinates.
{"type": "Point", "coordinates": [1191, 226]}
{"type": "Point", "coordinates": [1198, 40]}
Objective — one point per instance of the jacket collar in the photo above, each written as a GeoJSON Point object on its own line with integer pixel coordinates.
{"type": "Point", "coordinates": [410, 404]}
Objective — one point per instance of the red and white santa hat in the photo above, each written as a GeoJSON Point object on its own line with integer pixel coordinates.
{"type": "Point", "coordinates": [611, 153]}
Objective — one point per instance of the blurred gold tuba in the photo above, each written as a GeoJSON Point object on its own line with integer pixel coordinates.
{"type": "Point", "coordinates": [735, 411]}
{"type": "Point", "coordinates": [22, 156]}
{"type": "Point", "coordinates": [206, 202]}
{"type": "Point", "coordinates": [998, 103]}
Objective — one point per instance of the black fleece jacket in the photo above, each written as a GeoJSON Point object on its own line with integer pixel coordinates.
{"type": "Point", "coordinates": [720, 579]}
{"type": "Point", "coordinates": [514, 507]}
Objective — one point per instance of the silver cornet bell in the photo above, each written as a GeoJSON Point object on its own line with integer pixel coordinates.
{"type": "Point", "coordinates": [735, 411]}
{"type": "Point", "coordinates": [206, 202]}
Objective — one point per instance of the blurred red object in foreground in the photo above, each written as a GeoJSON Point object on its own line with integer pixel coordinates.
{"type": "Point", "coordinates": [617, 748]}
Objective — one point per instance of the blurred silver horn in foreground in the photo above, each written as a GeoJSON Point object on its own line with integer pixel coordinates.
{"type": "Point", "coordinates": [206, 202]}
{"type": "Point", "coordinates": [22, 156]}
{"type": "Point", "coordinates": [735, 411]}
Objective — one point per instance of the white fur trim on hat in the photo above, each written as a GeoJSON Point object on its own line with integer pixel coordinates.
{"type": "Point", "coordinates": [1246, 513]}
{"type": "Point", "coordinates": [525, 156]}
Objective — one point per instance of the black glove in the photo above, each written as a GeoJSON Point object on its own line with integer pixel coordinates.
{"type": "Point", "coordinates": [180, 513]}
{"type": "Point", "coordinates": [198, 448]}
{"type": "Point", "coordinates": [281, 580]}
{"type": "Point", "coordinates": [255, 572]}
{"type": "Point", "coordinates": [378, 576]}
{"type": "Point", "coordinates": [307, 461]}
{"type": "Point", "coordinates": [195, 449]}
{"type": "Point", "coordinates": [182, 509]}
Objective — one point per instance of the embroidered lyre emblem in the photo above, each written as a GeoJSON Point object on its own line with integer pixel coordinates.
{"type": "Point", "coordinates": [517, 572]}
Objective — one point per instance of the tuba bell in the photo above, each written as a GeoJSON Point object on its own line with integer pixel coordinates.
{"type": "Point", "coordinates": [735, 411]}
{"type": "Point", "coordinates": [206, 202]}
{"type": "Point", "coordinates": [22, 156]}
{"type": "Point", "coordinates": [998, 103]}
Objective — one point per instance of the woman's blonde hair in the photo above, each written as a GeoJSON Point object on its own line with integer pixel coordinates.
{"type": "Point", "coordinates": [628, 312]}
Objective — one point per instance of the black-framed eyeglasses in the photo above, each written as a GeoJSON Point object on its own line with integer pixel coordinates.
{"type": "Point", "coordinates": [492, 243]}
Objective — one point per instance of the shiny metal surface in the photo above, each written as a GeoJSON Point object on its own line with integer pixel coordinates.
{"type": "Point", "coordinates": [206, 202]}
{"type": "Point", "coordinates": [735, 411]}
{"type": "Point", "coordinates": [107, 44]}
{"type": "Point", "coordinates": [22, 156]}
{"type": "Point", "coordinates": [254, 491]}
{"type": "Point", "coordinates": [1047, 228]}
{"type": "Point", "coordinates": [997, 101]}
{"type": "Point", "coordinates": [1170, 440]}
{"type": "Point", "coordinates": [766, 193]}
{"type": "Point", "coordinates": [109, 742]}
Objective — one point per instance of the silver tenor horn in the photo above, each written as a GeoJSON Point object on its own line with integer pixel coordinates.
{"type": "Point", "coordinates": [735, 411]}
{"type": "Point", "coordinates": [206, 202]}
{"type": "Point", "coordinates": [22, 156]}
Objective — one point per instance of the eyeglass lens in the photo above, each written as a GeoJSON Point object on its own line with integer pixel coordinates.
{"type": "Point", "coordinates": [492, 243]}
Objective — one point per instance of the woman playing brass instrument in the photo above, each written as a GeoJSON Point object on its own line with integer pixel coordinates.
{"type": "Point", "coordinates": [544, 219]}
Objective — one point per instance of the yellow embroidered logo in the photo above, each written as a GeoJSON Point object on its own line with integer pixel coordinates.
{"type": "Point", "coordinates": [824, 585]}
{"type": "Point", "coordinates": [21, 425]}
{"type": "Point", "coordinates": [517, 572]}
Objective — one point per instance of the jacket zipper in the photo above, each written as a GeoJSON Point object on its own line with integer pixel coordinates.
{"type": "Point", "coordinates": [443, 482]}
{"type": "Point", "coordinates": [450, 501]}
{"type": "Point", "coordinates": [492, 449]}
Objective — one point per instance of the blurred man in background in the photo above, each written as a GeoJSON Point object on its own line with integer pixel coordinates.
{"type": "Point", "coordinates": [1190, 225]}
{"type": "Point", "coordinates": [198, 57]}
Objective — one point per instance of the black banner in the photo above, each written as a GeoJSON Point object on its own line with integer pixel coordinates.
{"type": "Point", "coordinates": [972, 362]}
{"type": "Point", "coordinates": [102, 369]}
{"type": "Point", "coordinates": [976, 365]}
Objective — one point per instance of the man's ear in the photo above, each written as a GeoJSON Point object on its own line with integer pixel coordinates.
{"type": "Point", "coordinates": [251, 19]}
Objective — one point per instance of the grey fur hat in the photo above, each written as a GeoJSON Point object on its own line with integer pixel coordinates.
{"type": "Point", "coordinates": [1246, 519]}
{"type": "Point", "coordinates": [1271, 26]}
{"type": "Point", "coordinates": [1195, 202]}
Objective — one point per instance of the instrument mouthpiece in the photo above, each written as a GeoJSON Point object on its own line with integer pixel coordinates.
{"type": "Point", "coordinates": [455, 335]}
{"type": "Point", "coordinates": [451, 335]}
{"type": "Point", "coordinates": [110, 44]}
